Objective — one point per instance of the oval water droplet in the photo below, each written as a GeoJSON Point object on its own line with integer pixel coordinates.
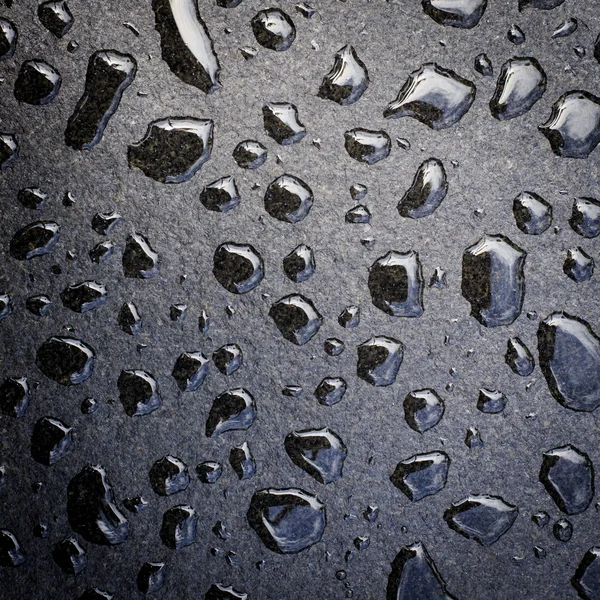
{"type": "Point", "coordinates": [427, 191]}
{"type": "Point", "coordinates": [296, 318]}
{"type": "Point", "coordinates": [464, 14]}
{"type": "Point", "coordinates": [239, 268]}
{"type": "Point", "coordinates": [288, 199]}
{"type": "Point", "coordinates": [66, 360]}
{"type": "Point", "coordinates": [423, 410]}
{"type": "Point", "coordinates": [273, 29]}
{"type": "Point", "coordinates": [368, 146]}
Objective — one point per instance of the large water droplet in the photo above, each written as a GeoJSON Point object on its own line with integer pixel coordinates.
{"type": "Point", "coordinates": [578, 265]}
{"type": "Point", "coordinates": [186, 44]}
{"type": "Point", "coordinates": [348, 79]}
{"type": "Point", "coordinates": [274, 29]}
{"type": "Point", "coordinates": [379, 359]}
{"type": "Point", "coordinates": [518, 357]}
{"type": "Point", "coordinates": [50, 440]}
{"type": "Point", "coordinates": [428, 189]}
{"type": "Point", "coordinates": [56, 17]}
{"type": "Point", "coordinates": [138, 392]}
{"type": "Point", "coordinates": [421, 475]}
{"type": "Point", "coordinates": [35, 239]}
{"type": "Point", "coordinates": [331, 390]}
{"type": "Point", "coordinates": [190, 371]}
{"type": "Point", "coordinates": [9, 150]}
{"type": "Point", "coordinates": [423, 410]}
{"type": "Point", "coordinates": [14, 397]}
{"type": "Point", "coordinates": [521, 83]}
{"type": "Point", "coordinates": [585, 217]}
{"type": "Point", "coordinates": [168, 476]}
{"type": "Point", "coordinates": [288, 199]}
{"type": "Point", "coordinates": [83, 297]}
{"type": "Point", "coordinates": [37, 83]}
{"type": "Point", "coordinates": [65, 360]}
{"type": "Point", "coordinates": [233, 410]}
{"type": "Point", "coordinates": [178, 528]}
{"type": "Point", "coordinates": [368, 146]}
{"type": "Point", "coordinates": [70, 556]}
{"type": "Point", "coordinates": [11, 552]}
{"type": "Point", "coordinates": [139, 259]}
{"type": "Point", "coordinates": [586, 579]}
{"type": "Point", "coordinates": [533, 215]}
{"type": "Point", "coordinates": [218, 591]}
{"type": "Point", "coordinates": [287, 520]}
{"type": "Point", "coordinates": [282, 123]}
{"type": "Point", "coordinates": [464, 14]}
{"type": "Point", "coordinates": [435, 96]}
{"type": "Point", "coordinates": [238, 268]}
{"type": "Point", "coordinates": [221, 195]}
{"type": "Point", "coordinates": [296, 318]}
{"type": "Point", "coordinates": [151, 577]}
{"type": "Point", "coordinates": [493, 281]}
{"type": "Point", "coordinates": [8, 39]}
{"type": "Point", "coordinates": [109, 74]}
{"type": "Point", "coordinates": [173, 149]}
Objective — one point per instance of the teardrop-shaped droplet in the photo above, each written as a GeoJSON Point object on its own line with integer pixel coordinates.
{"type": "Point", "coordinates": [282, 123]}
{"type": "Point", "coordinates": [348, 79]}
{"type": "Point", "coordinates": [427, 191]}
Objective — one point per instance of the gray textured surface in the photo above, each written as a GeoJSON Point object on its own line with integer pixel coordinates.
{"type": "Point", "coordinates": [496, 161]}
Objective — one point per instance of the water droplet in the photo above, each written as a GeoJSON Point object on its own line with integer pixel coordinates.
{"type": "Point", "coordinates": [368, 146]}
{"type": "Point", "coordinates": [569, 356]}
{"type": "Point", "coordinates": [358, 191]}
{"type": "Point", "coordinates": [209, 471]}
{"type": "Point", "coordinates": [233, 410]}
{"type": "Point", "coordinates": [138, 392]}
{"type": "Point", "coordinates": [288, 199]}
{"type": "Point", "coordinates": [173, 149]}
{"type": "Point", "coordinates": [423, 410]}
{"type": "Point", "coordinates": [8, 39]}
{"type": "Point", "coordinates": [379, 359]}
{"type": "Point", "coordinates": [578, 265]}
{"type": "Point", "coordinates": [65, 360]}
{"type": "Point", "coordinates": [435, 96]}
{"type": "Point", "coordinates": [221, 195]}
{"type": "Point", "coordinates": [287, 521]}
{"type": "Point", "coordinates": [102, 251]}
{"type": "Point", "coordinates": [238, 268]}
{"type": "Point", "coordinates": [319, 452]}
{"type": "Point", "coordinates": [358, 214]}
{"type": "Point", "coordinates": [396, 284]}
{"type": "Point", "coordinates": [56, 17]}
{"type": "Point", "coordinates": [563, 530]}
{"type": "Point", "coordinates": [491, 402]}
{"type": "Point", "coordinates": [483, 65]}
{"type": "Point", "coordinates": [151, 577]}
{"type": "Point", "coordinates": [129, 319]}
{"type": "Point", "coordinates": [92, 510]}
{"type": "Point", "coordinates": [414, 576]}
{"type": "Point", "coordinates": [493, 280]}
{"type": "Point", "coordinates": [273, 29]}
{"type": "Point", "coordinates": [533, 215]}
{"type": "Point", "coordinates": [464, 14]}
{"type": "Point", "coordinates": [421, 475]}
{"type": "Point", "coordinates": [168, 476]}
{"type": "Point", "coordinates": [70, 556]}
{"type": "Point", "coordinates": [305, 10]}
{"type": "Point", "coordinates": [178, 528]}
{"type": "Point", "coordinates": [109, 74]}
{"type": "Point", "coordinates": [9, 149]}
{"type": "Point", "coordinates": [14, 397]}
{"type": "Point", "coordinates": [248, 52]}
{"type": "Point", "coordinates": [299, 264]}
{"type": "Point", "coordinates": [250, 154]}
{"type": "Point", "coordinates": [333, 346]}
{"type": "Point", "coordinates": [331, 390]}
{"type": "Point", "coordinates": [585, 217]}
{"type": "Point", "coordinates": [139, 259]}
{"type": "Point", "coordinates": [88, 406]}
{"type": "Point", "coordinates": [83, 297]}
{"type": "Point", "coordinates": [348, 79]}
{"type": "Point", "coordinates": [566, 28]}
{"type": "Point", "coordinates": [185, 43]}
{"type": "Point", "coordinates": [428, 189]}
{"type": "Point", "coordinates": [32, 198]}
{"type": "Point", "coordinates": [541, 518]}
{"type": "Point", "coordinates": [521, 83]}
{"type": "Point", "coordinates": [292, 391]}
{"type": "Point", "coordinates": [50, 441]}
{"type": "Point", "coordinates": [218, 591]}
{"type": "Point", "coordinates": [518, 357]}
{"type": "Point", "coordinates": [567, 473]}
{"type": "Point", "coordinates": [95, 594]}
{"type": "Point", "coordinates": [482, 518]}
{"type": "Point", "coordinates": [296, 318]}
{"type": "Point", "coordinates": [38, 83]}
{"type": "Point", "coordinates": [35, 239]}
{"type": "Point", "coordinates": [228, 359]}
{"type": "Point", "coordinates": [473, 438]}
{"type": "Point", "coordinates": [104, 223]}
{"type": "Point", "coordinates": [282, 123]}
{"type": "Point", "coordinates": [573, 128]}
{"type": "Point", "coordinates": [242, 461]}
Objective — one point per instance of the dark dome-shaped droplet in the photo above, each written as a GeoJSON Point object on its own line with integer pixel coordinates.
{"type": "Point", "coordinates": [533, 215]}
{"type": "Point", "coordinates": [139, 259]}
{"type": "Point", "coordinates": [66, 360]}
{"type": "Point", "coordinates": [349, 317]}
{"type": "Point", "coordinates": [32, 198]}
{"type": "Point", "coordinates": [569, 356]}
{"type": "Point", "coordinates": [228, 358]}
{"type": "Point", "coordinates": [221, 195]}
{"type": "Point", "coordinates": [109, 74]}
{"type": "Point", "coordinates": [348, 79]}
{"type": "Point", "coordinates": [585, 217]}
{"type": "Point", "coordinates": [421, 475]}
{"type": "Point", "coordinates": [379, 360]}
{"type": "Point", "coordinates": [9, 148]}
{"type": "Point", "coordinates": [92, 509]}
{"type": "Point", "coordinates": [83, 297]}
{"type": "Point", "coordinates": [333, 346]}
{"type": "Point", "coordinates": [563, 530]}
{"type": "Point", "coordinates": [423, 410]}
{"type": "Point", "coordinates": [331, 390]}
{"type": "Point", "coordinates": [242, 461]}
{"type": "Point", "coordinates": [573, 128]}
{"type": "Point", "coordinates": [178, 528]}
{"type": "Point", "coordinates": [428, 189]}
{"type": "Point", "coordinates": [282, 123]}
{"type": "Point", "coordinates": [138, 392]}
{"type": "Point", "coordinates": [70, 556]}
{"type": "Point", "coordinates": [238, 268]}
{"type": "Point", "coordinates": [8, 39]}
{"type": "Point", "coordinates": [219, 591]}
{"type": "Point", "coordinates": [250, 154]}
{"type": "Point", "coordinates": [186, 45]}
{"type": "Point", "coordinates": [11, 552]}
{"type": "Point", "coordinates": [464, 14]}
{"type": "Point", "coordinates": [168, 476]}
{"type": "Point", "coordinates": [567, 473]}
{"type": "Point", "coordinates": [518, 357]}
{"type": "Point", "coordinates": [578, 265]}
{"type": "Point", "coordinates": [173, 149]}
{"type": "Point", "coordinates": [482, 518]}
{"type": "Point", "coordinates": [515, 35]}
{"type": "Point", "coordinates": [586, 579]}
{"type": "Point", "coordinates": [319, 452]}
{"type": "Point", "coordinates": [288, 199]}
{"type": "Point", "coordinates": [287, 521]}
{"type": "Point", "coordinates": [38, 305]}
{"type": "Point", "coordinates": [521, 83]}
{"type": "Point", "coordinates": [483, 65]}
{"type": "Point", "coordinates": [565, 28]}
{"type": "Point", "coordinates": [102, 251]}
{"type": "Point", "coordinates": [129, 319]}
{"type": "Point", "coordinates": [50, 441]}
{"type": "Point", "coordinates": [104, 223]}
{"type": "Point", "coordinates": [491, 402]}
{"type": "Point", "coordinates": [14, 397]}
{"type": "Point", "coordinates": [396, 284]}
{"type": "Point", "coordinates": [37, 83]}
{"type": "Point", "coordinates": [209, 471]}
{"type": "Point", "coordinates": [190, 371]}
{"type": "Point", "coordinates": [296, 318]}
{"type": "Point", "coordinates": [55, 17]}
{"type": "Point", "coordinates": [151, 577]}
{"type": "Point", "coordinates": [358, 214]}
{"type": "Point", "coordinates": [299, 264]}
{"type": "Point", "coordinates": [232, 410]}
{"type": "Point", "coordinates": [273, 29]}
{"type": "Point", "coordinates": [368, 146]}
{"type": "Point", "coordinates": [6, 306]}
{"type": "Point", "coordinates": [435, 96]}
{"type": "Point", "coordinates": [35, 239]}
{"type": "Point", "coordinates": [493, 281]}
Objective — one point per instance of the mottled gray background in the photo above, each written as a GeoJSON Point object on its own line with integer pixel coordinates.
{"type": "Point", "coordinates": [496, 160]}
